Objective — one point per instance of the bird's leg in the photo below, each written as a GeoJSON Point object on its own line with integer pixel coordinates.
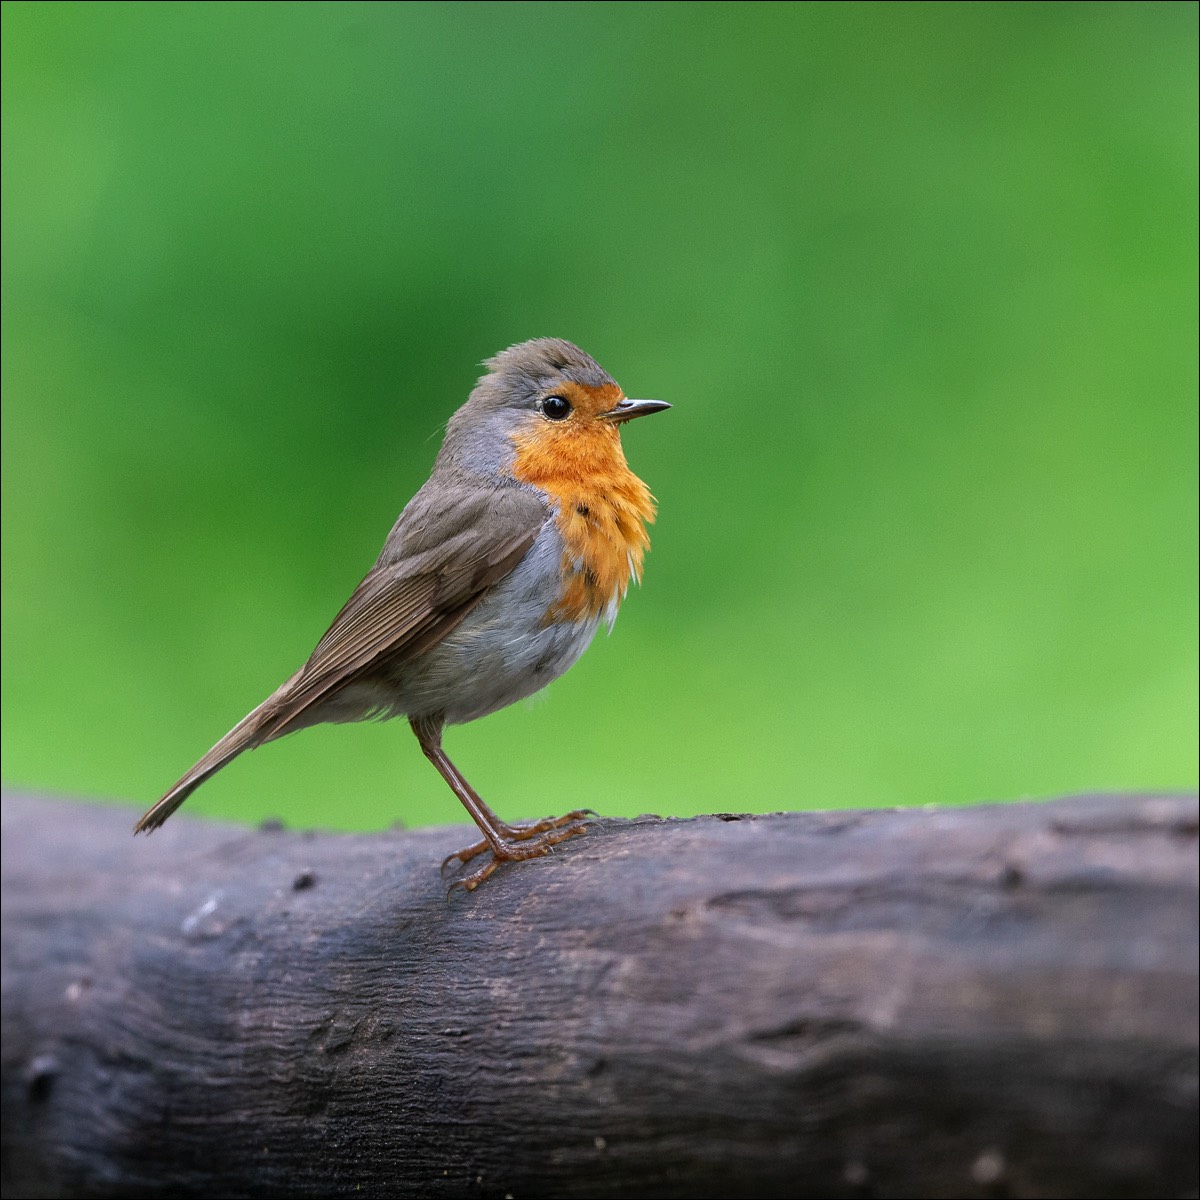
{"type": "Point", "coordinates": [508, 843]}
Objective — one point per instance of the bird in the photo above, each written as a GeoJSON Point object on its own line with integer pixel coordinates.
{"type": "Point", "coordinates": [493, 581]}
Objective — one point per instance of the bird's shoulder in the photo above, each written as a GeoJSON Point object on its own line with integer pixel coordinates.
{"type": "Point", "coordinates": [456, 518]}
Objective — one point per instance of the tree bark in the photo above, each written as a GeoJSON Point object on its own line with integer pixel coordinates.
{"type": "Point", "coordinates": [993, 1001]}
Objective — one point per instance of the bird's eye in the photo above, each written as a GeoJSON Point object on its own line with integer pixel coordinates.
{"type": "Point", "coordinates": [556, 408]}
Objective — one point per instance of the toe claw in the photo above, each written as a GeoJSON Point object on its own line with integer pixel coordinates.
{"type": "Point", "coordinates": [472, 881]}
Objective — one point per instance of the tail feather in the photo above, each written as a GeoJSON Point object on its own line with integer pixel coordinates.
{"type": "Point", "coordinates": [251, 731]}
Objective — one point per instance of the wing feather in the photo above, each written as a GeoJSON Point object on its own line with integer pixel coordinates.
{"type": "Point", "coordinates": [405, 607]}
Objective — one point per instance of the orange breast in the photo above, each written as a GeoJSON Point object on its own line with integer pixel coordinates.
{"type": "Point", "coordinates": [603, 509]}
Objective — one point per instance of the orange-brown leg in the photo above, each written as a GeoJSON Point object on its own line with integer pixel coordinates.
{"type": "Point", "coordinates": [507, 843]}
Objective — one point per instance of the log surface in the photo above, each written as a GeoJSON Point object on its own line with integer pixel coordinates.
{"type": "Point", "coordinates": [993, 1001]}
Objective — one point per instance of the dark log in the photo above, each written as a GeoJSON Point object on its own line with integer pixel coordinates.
{"type": "Point", "coordinates": [995, 1001]}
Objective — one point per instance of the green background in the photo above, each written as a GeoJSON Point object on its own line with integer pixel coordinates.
{"type": "Point", "coordinates": [920, 282]}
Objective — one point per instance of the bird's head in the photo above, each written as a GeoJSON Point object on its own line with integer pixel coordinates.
{"type": "Point", "coordinates": [544, 399]}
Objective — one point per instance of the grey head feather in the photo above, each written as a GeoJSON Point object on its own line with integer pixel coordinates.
{"type": "Point", "coordinates": [544, 359]}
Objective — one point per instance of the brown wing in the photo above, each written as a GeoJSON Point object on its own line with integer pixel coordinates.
{"type": "Point", "coordinates": [416, 594]}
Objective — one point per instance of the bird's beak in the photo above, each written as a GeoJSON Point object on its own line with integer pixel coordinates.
{"type": "Point", "coordinates": [628, 409]}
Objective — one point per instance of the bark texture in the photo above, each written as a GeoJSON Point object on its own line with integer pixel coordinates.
{"type": "Point", "coordinates": [994, 1001]}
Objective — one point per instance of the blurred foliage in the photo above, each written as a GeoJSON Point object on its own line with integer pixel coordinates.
{"type": "Point", "coordinates": [919, 280]}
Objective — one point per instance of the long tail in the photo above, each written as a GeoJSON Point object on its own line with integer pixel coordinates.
{"type": "Point", "coordinates": [251, 731]}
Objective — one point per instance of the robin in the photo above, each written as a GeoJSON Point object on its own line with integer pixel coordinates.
{"type": "Point", "coordinates": [491, 584]}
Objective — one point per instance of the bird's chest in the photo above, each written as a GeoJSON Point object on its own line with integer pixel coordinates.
{"type": "Point", "coordinates": [603, 543]}
{"type": "Point", "coordinates": [600, 510]}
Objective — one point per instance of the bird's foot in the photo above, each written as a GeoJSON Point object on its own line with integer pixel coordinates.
{"type": "Point", "coordinates": [522, 831]}
{"type": "Point", "coordinates": [522, 841]}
